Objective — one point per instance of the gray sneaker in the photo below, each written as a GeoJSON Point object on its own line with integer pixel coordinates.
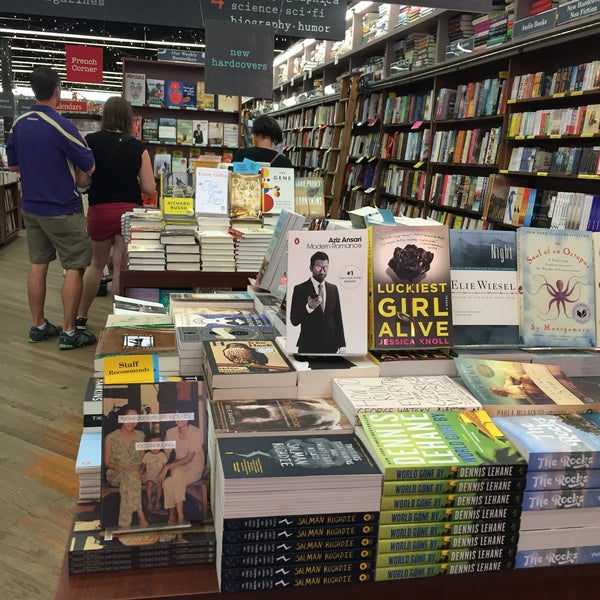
{"type": "Point", "coordinates": [79, 339]}
{"type": "Point", "coordinates": [39, 335]}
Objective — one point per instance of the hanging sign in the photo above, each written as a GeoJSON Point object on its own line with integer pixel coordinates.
{"type": "Point", "coordinates": [84, 63]}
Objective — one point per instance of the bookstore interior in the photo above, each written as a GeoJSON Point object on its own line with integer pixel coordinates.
{"type": "Point", "coordinates": [373, 368]}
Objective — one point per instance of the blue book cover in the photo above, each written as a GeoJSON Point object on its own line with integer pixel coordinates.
{"type": "Point", "coordinates": [483, 271]}
{"type": "Point", "coordinates": [565, 479]}
{"type": "Point", "coordinates": [554, 442]}
{"type": "Point", "coordinates": [556, 280]}
{"type": "Point", "coordinates": [561, 499]}
{"type": "Point", "coordinates": [550, 557]}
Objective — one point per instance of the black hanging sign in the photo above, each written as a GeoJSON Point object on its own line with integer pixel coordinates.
{"type": "Point", "coordinates": [239, 59]}
{"type": "Point", "coordinates": [484, 6]}
{"type": "Point", "coordinates": [7, 104]}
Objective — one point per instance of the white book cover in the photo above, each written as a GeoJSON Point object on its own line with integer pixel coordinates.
{"type": "Point", "coordinates": [135, 88]}
{"type": "Point", "coordinates": [327, 292]}
{"type": "Point", "coordinates": [277, 189]}
{"type": "Point", "coordinates": [212, 187]}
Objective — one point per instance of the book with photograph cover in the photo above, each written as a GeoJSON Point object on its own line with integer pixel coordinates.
{"type": "Point", "coordinates": [245, 195]}
{"type": "Point", "coordinates": [394, 394]}
{"type": "Point", "coordinates": [135, 88]}
{"type": "Point", "coordinates": [277, 189]}
{"type": "Point", "coordinates": [236, 364]}
{"type": "Point", "coordinates": [507, 388]}
{"type": "Point", "coordinates": [204, 101]}
{"type": "Point", "coordinates": [327, 279]}
{"type": "Point", "coordinates": [557, 289]}
{"type": "Point", "coordinates": [215, 133]}
{"type": "Point", "coordinates": [200, 132]}
{"type": "Point", "coordinates": [185, 132]}
{"type": "Point", "coordinates": [155, 91]}
{"type": "Point", "coordinates": [309, 196]}
{"type": "Point", "coordinates": [167, 130]}
{"type": "Point", "coordinates": [468, 445]}
{"type": "Point", "coordinates": [483, 270]}
{"type": "Point", "coordinates": [162, 164]}
{"type": "Point", "coordinates": [299, 417]}
{"type": "Point", "coordinates": [161, 429]}
{"type": "Point", "coordinates": [409, 287]}
{"type": "Point", "coordinates": [149, 130]}
{"type": "Point", "coordinates": [554, 442]}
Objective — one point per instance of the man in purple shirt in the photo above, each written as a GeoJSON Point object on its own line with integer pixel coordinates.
{"type": "Point", "coordinates": [51, 154]}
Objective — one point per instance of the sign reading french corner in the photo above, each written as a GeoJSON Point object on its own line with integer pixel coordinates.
{"type": "Point", "coordinates": [84, 63]}
{"type": "Point", "coordinates": [320, 19]}
{"type": "Point", "coordinates": [239, 59]}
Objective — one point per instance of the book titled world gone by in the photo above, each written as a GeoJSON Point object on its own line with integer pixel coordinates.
{"type": "Point", "coordinates": [439, 445]}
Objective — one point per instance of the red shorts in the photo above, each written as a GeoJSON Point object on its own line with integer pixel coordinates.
{"type": "Point", "coordinates": [104, 220]}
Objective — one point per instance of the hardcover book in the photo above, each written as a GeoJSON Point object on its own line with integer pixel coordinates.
{"type": "Point", "coordinates": [185, 132]}
{"type": "Point", "coordinates": [189, 95]}
{"type": "Point", "coordinates": [277, 189]}
{"type": "Point", "coordinates": [554, 442]}
{"type": "Point", "coordinates": [167, 130]}
{"type": "Point", "coordinates": [135, 88]}
{"type": "Point", "coordinates": [252, 363]}
{"type": "Point", "coordinates": [413, 362]}
{"type": "Point", "coordinates": [308, 416]}
{"type": "Point", "coordinates": [150, 130]}
{"type": "Point", "coordinates": [556, 276]}
{"type": "Point", "coordinates": [200, 132]}
{"type": "Point", "coordinates": [161, 429]}
{"type": "Point", "coordinates": [245, 195]}
{"type": "Point", "coordinates": [173, 93]}
{"type": "Point", "coordinates": [162, 165]}
{"type": "Point", "coordinates": [155, 91]}
{"type": "Point", "coordinates": [327, 278]}
{"type": "Point", "coordinates": [228, 103]}
{"type": "Point", "coordinates": [204, 101]}
{"type": "Point", "coordinates": [483, 270]}
{"type": "Point", "coordinates": [231, 135]}
{"type": "Point", "coordinates": [92, 405]}
{"type": "Point", "coordinates": [212, 186]}
{"type": "Point", "coordinates": [309, 198]}
{"type": "Point", "coordinates": [409, 287]}
{"type": "Point", "coordinates": [215, 133]}
{"type": "Point", "coordinates": [507, 388]}
{"type": "Point", "coordinates": [394, 394]}
{"type": "Point", "coordinates": [467, 445]}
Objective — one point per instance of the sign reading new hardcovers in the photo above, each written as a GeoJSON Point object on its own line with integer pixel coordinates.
{"type": "Point", "coordinates": [239, 59]}
{"type": "Point", "coordinates": [84, 63]}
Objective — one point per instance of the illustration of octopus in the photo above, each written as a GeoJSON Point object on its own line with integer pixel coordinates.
{"type": "Point", "coordinates": [560, 293]}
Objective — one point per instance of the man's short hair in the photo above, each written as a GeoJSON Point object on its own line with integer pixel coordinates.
{"type": "Point", "coordinates": [318, 256]}
{"type": "Point", "coordinates": [43, 82]}
{"type": "Point", "coordinates": [267, 126]}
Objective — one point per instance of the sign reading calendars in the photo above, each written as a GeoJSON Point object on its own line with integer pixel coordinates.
{"type": "Point", "coordinates": [239, 59]}
{"type": "Point", "coordinates": [84, 63]}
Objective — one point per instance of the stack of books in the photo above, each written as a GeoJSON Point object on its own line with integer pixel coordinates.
{"type": "Point", "coordinates": [146, 255]}
{"type": "Point", "coordinates": [396, 363]}
{"type": "Point", "coordinates": [92, 551]}
{"type": "Point", "coordinates": [250, 244]}
{"type": "Point", "coordinates": [139, 218]}
{"type": "Point", "coordinates": [276, 494]}
{"type": "Point", "coordinates": [192, 330]}
{"type": "Point", "coordinates": [452, 493]}
{"type": "Point", "coordinates": [561, 504]}
{"type": "Point", "coordinates": [211, 303]}
{"type": "Point", "coordinates": [216, 251]}
{"type": "Point", "coordinates": [182, 250]}
{"type": "Point", "coordinates": [247, 369]}
{"type": "Point", "coordinates": [88, 465]}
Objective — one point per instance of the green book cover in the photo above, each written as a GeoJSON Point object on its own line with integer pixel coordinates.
{"type": "Point", "coordinates": [439, 445]}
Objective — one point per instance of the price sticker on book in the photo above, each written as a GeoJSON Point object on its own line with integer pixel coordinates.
{"type": "Point", "coordinates": [417, 124]}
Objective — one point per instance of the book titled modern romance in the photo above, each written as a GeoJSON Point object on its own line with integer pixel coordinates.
{"type": "Point", "coordinates": [327, 285]}
{"type": "Point", "coordinates": [409, 287]}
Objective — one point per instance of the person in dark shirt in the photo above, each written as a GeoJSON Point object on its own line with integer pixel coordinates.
{"type": "Point", "coordinates": [266, 134]}
{"type": "Point", "coordinates": [123, 172]}
{"type": "Point", "coordinates": [52, 156]}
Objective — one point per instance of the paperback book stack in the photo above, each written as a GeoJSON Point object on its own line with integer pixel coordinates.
{"type": "Point", "coordinates": [216, 251]}
{"type": "Point", "coordinates": [211, 303]}
{"type": "Point", "coordinates": [88, 464]}
{"type": "Point", "coordinates": [182, 251]}
{"type": "Point", "coordinates": [294, 511]}
{"type": "Point", "coordinates": [560, 523]}
{"type": "Point", "coordinates": [395, 394]}
{"type": "Point", "coordinates": [413, 362]}
{"type": "Point", "coordinates": [146, 255]}
{"type": "Point", "coordinates": [246, 369]}
{"type": "Point", "coordinates": [192, 330]}
{"type": "Point", "coordinates": [92, 551]}
{"type": "Point", "coordinates": [139, 217]}
{"type": "Point", "coordinates": [250, 244]}
{"type": "Point", "coordinates": [452, 493]}
{"type": "Point", "coordinates": [315, 373]}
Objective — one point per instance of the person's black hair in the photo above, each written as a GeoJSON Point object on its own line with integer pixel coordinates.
{"type": "Point", "coordinates": [267, 127]}
{"type": "Point", "coordinates": [318, 256]}
{"type": "Point", "coordinates": [43, 82]}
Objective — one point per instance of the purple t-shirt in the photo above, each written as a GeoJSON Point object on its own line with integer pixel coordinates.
{"type": "Point", "coordinates": [47, 147]}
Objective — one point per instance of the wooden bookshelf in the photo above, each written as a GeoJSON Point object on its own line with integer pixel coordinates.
{"type": "Point", "coordinates": [183, 279]}
{"type": "Point", "coordinates": [10, 213]}
{"type": "Point", "coordinates": [574, 582]}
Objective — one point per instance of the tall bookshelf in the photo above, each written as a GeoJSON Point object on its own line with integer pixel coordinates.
{"type": "Point", "coordinates": [10, 215]}
{"type": "Point", "coordinates": [410, 175]}
{"type": "Point", "coordinates": [191, 74]}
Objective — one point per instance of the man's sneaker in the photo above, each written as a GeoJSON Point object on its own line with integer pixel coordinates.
{"type": "Point", "coordinates": [81, 323]}
{"type": "Point", "coordinates": [79, 339]}
{"type": "Point", "coordinates": [39, 335]}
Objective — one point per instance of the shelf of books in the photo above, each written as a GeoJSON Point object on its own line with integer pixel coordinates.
{"type": "Point", "coordinates": [10, 215]}
{"type": "Point", "coordinates": [456, 112]}
{"type": "Point", "coordinates": [175, 116]}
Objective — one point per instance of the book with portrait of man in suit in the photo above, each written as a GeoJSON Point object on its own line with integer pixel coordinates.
{"type": "Point", "coordinates": [326, 311]}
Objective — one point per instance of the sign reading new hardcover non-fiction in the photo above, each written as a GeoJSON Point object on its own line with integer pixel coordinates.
{"type": "Point", "coordinates": [84, 63]}
{"type": "Point", "coordinates": [239, 59]}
